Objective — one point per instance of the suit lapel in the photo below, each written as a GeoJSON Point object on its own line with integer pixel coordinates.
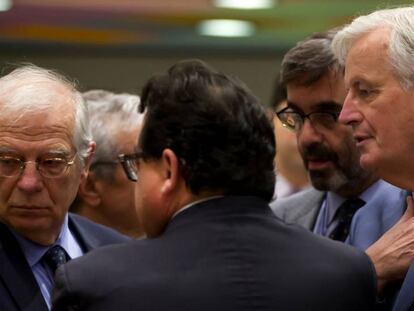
{"type": "Point", "coordinates": [307, 213]}
{"type": "Point", "coordinates": [17, 276]}
{"type": "Point", "coordinates": [405, 297]}
{"type": "Point", "coordinates": [377, 217]}
{"type": "Point", "coordinates": [86, 240]}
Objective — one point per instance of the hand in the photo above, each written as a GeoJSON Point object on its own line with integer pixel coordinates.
{"type": "Point", "coordinates": [393, 253]}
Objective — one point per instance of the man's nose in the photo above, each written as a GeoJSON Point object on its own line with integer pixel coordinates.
{"type": "Point", "coordinates": [349, 113]}
{"type": "Point", "coordinates": [30, 179]}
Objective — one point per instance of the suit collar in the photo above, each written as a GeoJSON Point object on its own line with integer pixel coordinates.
{"type": "Point", "coordinates": [86, 240]}
{"type": "Point", "coordinates": [221, 207]}
{"type": "Point", "coordinates": [17, 275]}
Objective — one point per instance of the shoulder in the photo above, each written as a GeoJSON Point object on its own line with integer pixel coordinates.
{"type": "Point", "coordinates": [298, 204]}
{"type": "Point", "coordinates": [94, 234]}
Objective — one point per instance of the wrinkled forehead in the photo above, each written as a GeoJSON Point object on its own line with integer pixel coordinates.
{"type": "Point", "coordinates": [38, 116]}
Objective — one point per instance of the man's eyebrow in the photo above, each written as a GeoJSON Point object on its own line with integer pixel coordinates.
{"type": "Point", "coordinates": [58, 152]}
{"type": "Point", "coordinates": [7, 150]}
{"type": "Point", "coordinates": [292, 105]}
{"type": "Point", "coordinates": [320, 106]}
{"type": "Point", "coordinates": [328, 105]}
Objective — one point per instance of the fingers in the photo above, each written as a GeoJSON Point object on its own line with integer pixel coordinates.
{"type": "Point", "coordinates": [409, 212]}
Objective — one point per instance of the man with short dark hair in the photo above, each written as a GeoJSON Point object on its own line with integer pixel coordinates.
{"type": "Point", "coordinates": [204, 176]}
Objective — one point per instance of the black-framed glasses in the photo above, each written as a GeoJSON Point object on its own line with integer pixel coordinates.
{"type": "Point", "coordinates": [105, 162]}
{"type": "Point", "coordinates": [130, 164]}
{"type": "Point", "coordinates": [294, 119]}
{"type": "Point", "coordinates": [47, 166]}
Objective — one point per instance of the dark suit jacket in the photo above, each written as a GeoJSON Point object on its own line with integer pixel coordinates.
{"type": "Point", "coordinates": [226, 254]}
{"type": "Point", "coordinates": [18, 287]}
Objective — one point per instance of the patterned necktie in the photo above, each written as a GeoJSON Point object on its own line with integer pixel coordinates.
{"type": "Point", "coordinates": [344, 216]}
{"type": "Point", "coordinates": [55, 257]}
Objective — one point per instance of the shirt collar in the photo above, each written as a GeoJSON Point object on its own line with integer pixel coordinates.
{"type": "Point", "coordinates": [196, 202]}
{"type": "Point", "coordinates": [34, 251]}
{"type": "Point", "coordinates": [334, 200]}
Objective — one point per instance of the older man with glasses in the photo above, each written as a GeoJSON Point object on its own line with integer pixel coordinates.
{"type": "Point", "coordinates": [45, 152]}
{"type": "Point", "coordinates": [106, 196]}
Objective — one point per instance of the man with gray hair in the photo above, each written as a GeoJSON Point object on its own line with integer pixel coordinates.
{"type": "Point", "coordinates": [106, 196]}
{"type": "Point", "coordinates": [377, 50]}
{"type": "Point", "coordinates": [45, 153]}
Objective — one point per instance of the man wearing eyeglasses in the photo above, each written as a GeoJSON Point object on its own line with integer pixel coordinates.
{"type": "Point", "coordinates": [204, 176]}
{"type": "Point", "coordinates": [106, 196]}
{"type": "Point", "coordinates": [45, 152]}
{"type": "Point", "coordinates": [316, 93]}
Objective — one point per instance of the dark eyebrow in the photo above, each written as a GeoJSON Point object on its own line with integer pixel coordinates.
{"type": "Point", "coordinates": [320, 106]}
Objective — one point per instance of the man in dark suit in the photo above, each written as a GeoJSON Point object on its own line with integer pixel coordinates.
{"type": "Point", "coordinates": [45, 152]}
{"type": "Point", "coordinates": [204, 176]}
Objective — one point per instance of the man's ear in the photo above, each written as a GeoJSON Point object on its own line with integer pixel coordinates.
{"type": "Point", "coordinates": [88, 191]}
{"type": "Point", "coordinates": [88, 160]}
{"type": "Point", "coordinates": [170, 171]}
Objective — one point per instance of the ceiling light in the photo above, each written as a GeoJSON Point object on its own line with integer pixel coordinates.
{"type": "Point", "coordinates": [226, 28]}
{"type": "Point", "coordinates": [245, 4]}
{"type": "Point", "coordinates": [5, 5]}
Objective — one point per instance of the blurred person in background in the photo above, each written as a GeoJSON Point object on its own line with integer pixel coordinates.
{"type": "Point", "coordinates": [291, 175]}
{"type": "Point", "coordinates": [106, 196]}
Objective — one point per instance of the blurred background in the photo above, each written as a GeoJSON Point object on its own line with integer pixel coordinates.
{"type": "Point", "coordinates": [119, 44]}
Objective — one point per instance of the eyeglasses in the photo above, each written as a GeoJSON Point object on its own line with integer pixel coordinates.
{"type": "Point", "coordinates": [48, 167]}
{"type": "Point", "coordinates": [130, 164]}
{"type": "Point", "coordinates": [109, 162]}
{"type": "Point", "coordinates": [294, 120]}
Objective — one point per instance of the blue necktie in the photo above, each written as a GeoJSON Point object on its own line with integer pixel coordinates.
{"type": "Point", "coordinates": [55, 257]}
{"type": "Point", "coordinates": [344, 216]}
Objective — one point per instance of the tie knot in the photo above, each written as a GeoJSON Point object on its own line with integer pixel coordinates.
{"type": "Point", "coordinates": [348, 208]}
{"type": "Point", "coordinates": [55, 257]}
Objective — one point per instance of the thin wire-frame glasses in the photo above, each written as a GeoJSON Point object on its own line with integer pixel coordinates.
{"type": "Point", "coordinates": [48, 167]}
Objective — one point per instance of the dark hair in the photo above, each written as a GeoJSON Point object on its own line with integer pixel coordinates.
{"type": "Point", "coordinates": [279, 94]}
{"type": "Point", "coordinates": [219, 131]}
{"type": "Point", "coordinates": [310, 59]}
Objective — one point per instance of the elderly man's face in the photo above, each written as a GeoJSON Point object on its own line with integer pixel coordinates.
{"type": "Point", "coordinates": [33, 205]}
{"type": "Point", "coordinates": [380, 111]}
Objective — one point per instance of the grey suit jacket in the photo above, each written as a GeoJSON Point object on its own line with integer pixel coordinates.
{"type": "Point", "coordinates": [302, 208]}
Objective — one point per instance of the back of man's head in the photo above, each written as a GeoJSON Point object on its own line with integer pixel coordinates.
{"type": "Point", "coordinates": [219, 131]}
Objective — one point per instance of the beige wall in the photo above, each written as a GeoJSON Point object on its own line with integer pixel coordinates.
{"type": "Point", "coordinates": [126, 73]}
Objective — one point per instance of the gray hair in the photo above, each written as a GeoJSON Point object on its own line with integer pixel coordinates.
{"type": "Point", "coordinates": [310, 59]}
{"type": "Point", "coordinates": [400, 22]}
{"type": "Point", "coordinates": [109, 114]}
{"type": "Point", "coordinates": [30, 89]}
